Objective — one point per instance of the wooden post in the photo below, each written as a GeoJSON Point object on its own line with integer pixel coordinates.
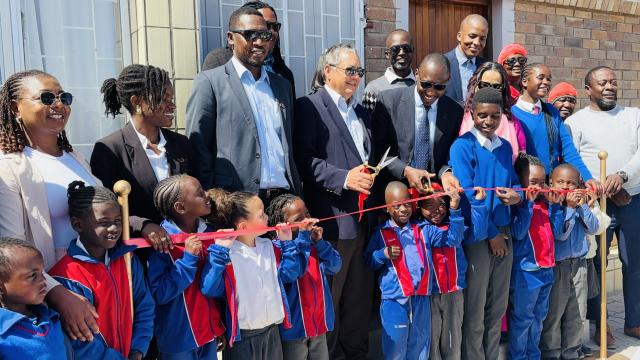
{"type": "Point", "coordinates": [122, 188]}
{"type": "Point", "coordinates": [602, 155]}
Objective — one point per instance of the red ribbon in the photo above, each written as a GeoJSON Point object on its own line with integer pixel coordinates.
{"type": "Point", "coordinates": [363, 197]}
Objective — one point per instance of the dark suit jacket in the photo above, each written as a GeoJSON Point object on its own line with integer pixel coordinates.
{"type": "Point", "coordinates": [325, 154]}
{"type": "Point", "coordinates": [454, 88]}
{"type": "Point", "coordinates": [120, 156]}
{"type": "Point", "coordinates": [222, 129]}
{"type": "Point", "coordinates": [394, 127]}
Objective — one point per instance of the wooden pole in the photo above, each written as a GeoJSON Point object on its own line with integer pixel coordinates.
{"type": "Point", "coordinates": [122, 188]}
{"type": "Point", "coordinates": [602, 155]}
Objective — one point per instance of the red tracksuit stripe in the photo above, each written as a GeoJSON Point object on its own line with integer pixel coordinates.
{"type": "Point", "coordinates": [390, 238]}
{"type": "Point", "coordinates": [541, 236]}
{"type": "Point", "coordinates": [446, 269]}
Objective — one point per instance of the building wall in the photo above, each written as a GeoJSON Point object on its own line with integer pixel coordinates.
{"type": "Point", "coordinates": [573, 36]}
{"type": "Point", "coordinates": [381, 19]}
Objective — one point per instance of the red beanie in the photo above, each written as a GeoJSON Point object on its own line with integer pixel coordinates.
{"type": "Point", "coordinates": [510, 50]}
{"type": "Point", "coordinates": [562, 89]}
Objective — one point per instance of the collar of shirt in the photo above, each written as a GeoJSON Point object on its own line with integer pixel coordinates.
{"type": "Point", "coordinates": [528, 107]}
{"type": "Point", "coordinates": [391, 76]}
{"type": "Point", "coordinates": [404, 228]}
{"type": "Point", "coordinates": [145, 142]}
{"type": "Point", "coordinates": [340, 102]}
{"type": "Point", "coordinates": [81, 246]}
{"type": "Point", "coordinates": [462, 58]}
{"type": "Point", "coordinates": [489, 144]}
{"type": "Point", "coordinates": [202, 226]}
{"type": "Point", "coordinates": [245, 74]}
{"type": "Point", "coordinates": [419, 104]}
{"type": "Point", "coordinates": [268, 63]}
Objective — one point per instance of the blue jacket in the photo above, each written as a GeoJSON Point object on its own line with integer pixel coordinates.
{"type": "Point", "coordinates": [185, 318]}
{"type": "Point", "coordinates": [218, 281]}
{"type": "Point", "coordinates": [571, 241]}
{"type": "Point", "coordinates": [309, 298]}
{"type": "Point", "coordinates": [23, 338]}
{"type": "Point", "coordinates": [122, 329]}
{"type": "Point", "coordinates": [533, 243]}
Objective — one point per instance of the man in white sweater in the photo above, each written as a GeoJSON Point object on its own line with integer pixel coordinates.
{"type": "Point", "coordinates": [605, 125]}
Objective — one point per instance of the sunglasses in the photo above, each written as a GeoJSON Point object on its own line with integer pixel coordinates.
{"type": "Point", "coordinates": [48, 98]}
{"type": "Point", "coordinates": [352, 71]}
{"type": "Point", "coordinates": [274, 26]}
{"type": "Point", "coordinates": [395, 49]}
{"type": "Point", "coordinates": [253, 35]}
{"type": "Point", "coordinates": [426, 85]}
{"type": "Point", "coordinates": [484, 84]}
{"type": "Point", "coordinates": [514, 60]}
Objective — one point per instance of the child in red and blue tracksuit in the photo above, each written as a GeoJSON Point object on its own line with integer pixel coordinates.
{"type": "Point", "coordinates": [187, 324]}
{"type": "Point", "coordinates": [534, 223]}
{"type": "Point", "coordinates": [101, 268]}
{"type": "Point", "coordinates": [309, 297]}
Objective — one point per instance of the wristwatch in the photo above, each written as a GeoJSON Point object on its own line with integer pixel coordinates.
{"type": "Point", "coordinates": [623, 175]}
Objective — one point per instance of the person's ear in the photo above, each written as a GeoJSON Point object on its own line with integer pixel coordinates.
{"type": "Point", "coordinates": [179, 208]}
{"type": "Point", "coordinates": [76, 224]}
{"type": "Point", "coordinates": [459, 36]}
{"type": "Point", "coordinates": [242, 225]}
{"type": "Point", "coordinates": [15, 110]}
{"type": "Point", "coordinates": [230, 41]}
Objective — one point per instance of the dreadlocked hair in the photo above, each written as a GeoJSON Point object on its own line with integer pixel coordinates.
{"type": "Point", "coordinates": [146, 81]}
{"type": "Point", "coordinates": [12, 135]}
{"type": "Point", "coordinates": [275, 210]}
{"type": "Point", "coordinates": [8, 247]}
{"type": "Point", "coordinates": [167, 193]}
{"type": "Point", "coordinates": [230, 207]}
{"type": "Point", "coordinates": [81, 197]}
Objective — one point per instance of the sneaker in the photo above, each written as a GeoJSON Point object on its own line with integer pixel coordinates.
{"type": "Point", "coordinates": [633, 332]}
{"type": "Point", "coordinates": [586, 351]}
{"type": "Point", "coordinates": [611, 341]}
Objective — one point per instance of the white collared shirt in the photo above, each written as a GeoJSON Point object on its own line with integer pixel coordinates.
{"type": "Point", "coordinates": [391, 76]}
{"type": "Point", "coordinates": [467, 67]}
{"type": "Point", "coordinates": [350, 118]}
{"type": "Point", "coordinates": [258, 290]}
{"type": "Point", "coordinates": [158, 162]}
{"type": "Point", "coordinates": [485, 142]}
{"type": "Point", "coordinates": [432, 116]}
{"type": "Point", "coordinates": [267, 113]}
{"type": "Point", "coordinates": [527, 106]}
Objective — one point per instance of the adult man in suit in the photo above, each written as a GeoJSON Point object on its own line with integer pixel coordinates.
{"type": "Point", "coordinates": [464, 58]}
{"type": "Point", "coordinates": [239, 117]}
{"type": "Point", "coordinates": [419, 124]}
{"type": "Point", "coordinates": [333, 141]}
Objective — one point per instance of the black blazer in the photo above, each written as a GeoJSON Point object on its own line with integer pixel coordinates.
{"type": "Point", "coordinates": [120, 156]}
{"type": "Point", "coordinates": [325, 154]}
{"type": "Point", "coordinates": [454, 88]}
{"type": "Point", "coordinates": [394, 127]}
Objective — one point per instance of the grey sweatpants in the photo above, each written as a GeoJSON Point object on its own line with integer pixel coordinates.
{"type": "Point", "coordinates": [485, 300]}
{"type": "Point", "coordinates": [261, 344]}
{"type": "Point", "coordinates": [311, 348]}
{"type": "Point", "coordinates": [446, 325]}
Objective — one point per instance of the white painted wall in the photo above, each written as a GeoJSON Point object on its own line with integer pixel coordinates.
{"type": "Point", "coordinates": [503, 24]}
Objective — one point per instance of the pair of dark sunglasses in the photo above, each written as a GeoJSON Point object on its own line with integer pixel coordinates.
{"type": "Point", "coordinates": [395, 49]}
{"type": "Point", "coordinates": [426, 85]}
{"type": "Point", "coordinates": [274, 26]}
{"type": "Point", "coordinates": [253, 35]}
{"type": "Point", "coordinates": [352, 71]}
{"type": "Point", "coordinates": [514, 60]}
{"type": "Point", "coordinates": [484, 84]}
{"type": "Point", "coordinates": [48, 98]}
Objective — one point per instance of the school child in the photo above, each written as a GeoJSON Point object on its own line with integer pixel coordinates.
{"type": "Point", "coordinates": [479, 158]}
{"type": "Point", "coordinates": [533, 227]}
{"type": "Point", "coordinates": [249, 273]}
{"type": "Point", "coordinates": [187, 324]}
{"type": "Point", "coordinates": [29, 329]}
{"type": "Point", "coordinates": [309, 297]}
{"type": "Point", "coordinates": [103, 270]}
{"type": "Point", "coordinates": [448, 279]}
{"type": "Point", "coordinates": [562, 328]}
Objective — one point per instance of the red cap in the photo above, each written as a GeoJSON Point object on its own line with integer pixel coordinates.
{"type": "Point", "coordinates": [561, 90]}
{"type": "Point", "coordinates": [509, 50]}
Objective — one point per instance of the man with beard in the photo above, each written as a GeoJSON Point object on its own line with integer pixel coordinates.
{"type": "Point", "coordinates": [400, 54]}
{"type": "Point", "coordinates": [465, 58]}
{"type": "Point", "coordinates": [563, 97]}
{"type": "Point", "coordinates": [606, 125]}
{"type": "Point", "coordinates": [239, 117]}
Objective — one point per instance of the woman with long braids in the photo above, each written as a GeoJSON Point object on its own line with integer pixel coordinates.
{"type": "Point", "coordinates": [37, 163]}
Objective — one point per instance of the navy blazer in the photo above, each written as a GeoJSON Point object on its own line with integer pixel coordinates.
{"type": "Point", "coordinates": [325, 152]}
{"type": "Point", "coordinates": [454, 88]}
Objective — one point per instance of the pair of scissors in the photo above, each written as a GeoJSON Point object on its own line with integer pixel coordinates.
{"type": "Point", "coordinates": [381, 164]}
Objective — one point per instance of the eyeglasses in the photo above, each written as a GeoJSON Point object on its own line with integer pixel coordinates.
{"type": "Point", "coordinates": [274, 26]}
{"type": "Point", "coordinates": [48, 98]}
{"type": "Point", "coordinates": [395, 49]}
{"type": "Point", "coordinates": [426, 85]}
{"type": "Point", "coordinates": [512, 61]}
{"type": "Point", "coordinates": [352, 71]}
{"type": "Point", "coordinates": [484, 84]}
{"type": "Point", "coordinates": [253, 35]}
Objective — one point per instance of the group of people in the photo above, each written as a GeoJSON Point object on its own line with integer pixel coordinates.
{"type": "Point", "coordinates": [489, 197]}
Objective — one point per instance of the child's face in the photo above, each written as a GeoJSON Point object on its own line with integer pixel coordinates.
{"type": "Point", "coordinates": [401, 213]}
{"type": "Point", "coordinates": [257, 218]}
{"type": "Point", "coordinates": [26, 284]}
{"type": "Point", "coordinates": [486, 118]}
{"type": "Point", "coordinates": [194, 200]}
{"type": "Point", "coordinates": [434, 210]}
{"type": "Point", "coordinates": [565, 178]}
{"type": "Point", "coordinates": [538, 82]}
{"type": "Point", "coordinates": [101, 226]}
{"type": "Point", "coordinates": [295, 212]}
{"type": "Point", "coordinates": [536, 176]}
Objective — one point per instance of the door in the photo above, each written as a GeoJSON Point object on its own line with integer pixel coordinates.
{"type": "Point", "coordinates": [435, 23]}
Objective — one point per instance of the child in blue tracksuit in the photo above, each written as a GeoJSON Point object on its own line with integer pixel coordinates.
{"type": "Point", "coordinates": [479, 158]}
{"type": "Point", "coordinates": [187, 324]}
{"type": "Point", "coordinates": [310, 302]}
{"type": "Point", "coordinates": [562, 328]}
{"type": "Point", "coordinates": [249, 272]}
{"type": "Point", "coordinates": [28, 328]}
{"type": "Point", "coordinates": [534, 223]}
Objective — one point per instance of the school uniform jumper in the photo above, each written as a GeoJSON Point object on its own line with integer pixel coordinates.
{"type": "Point", "coordinates": [107, 287]}
{"type": "Point", "coordinates": [478, 161]}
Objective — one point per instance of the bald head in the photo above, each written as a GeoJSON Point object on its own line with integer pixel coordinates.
{"type": "Point", "coordinates": [397, 37]}
{"type": "Point", "coordinates": [395, 191]}
{"type": "Point", "coordinates": [435, 62]}
{"type": "Point", "coordinates": [472, 36]}
{"type": "Point", "coordinates": [474, 20]}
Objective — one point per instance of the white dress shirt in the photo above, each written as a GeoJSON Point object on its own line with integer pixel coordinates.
{"type": "Point", "coordinates": [158, 162]}
{"type": "Point", "coordinates": [485, 142]}
{"type": "Point", "coordinates": [267, 113]}
{"type": "Point", "coordinates": [258, 290]}
{"type": "Point", "coordinates": [350, 118]}
{"type": "Point", "coordinates": [529, 107]}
